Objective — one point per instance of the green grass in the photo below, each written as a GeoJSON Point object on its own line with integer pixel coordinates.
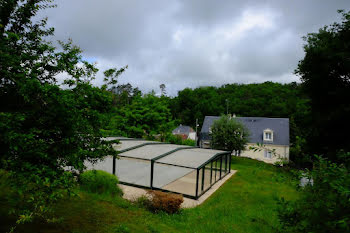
{"type": "Point", "coordinates": [245, 203]}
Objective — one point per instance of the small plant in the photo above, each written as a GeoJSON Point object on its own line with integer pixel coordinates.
{"type": "Point", "coordinates": [281, 162]}
{"type": "Point", "coordinates": [101, 182]}
{"type": "Point", "coordinates": [143, 201]}
{"type": "Point", "coordinates": [167, 202]}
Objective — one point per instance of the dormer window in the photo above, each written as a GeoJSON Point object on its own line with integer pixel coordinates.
{"type": "Point", "coordinates": [268, 135]}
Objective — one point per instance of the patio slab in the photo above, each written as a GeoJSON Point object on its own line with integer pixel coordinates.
{"type": "Point", "coordinates": [132, 193]}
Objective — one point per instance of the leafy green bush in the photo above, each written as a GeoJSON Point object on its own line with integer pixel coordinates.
{"type": "Point", "coordinates": [189, 142]}
{"type": "Point", "coordinates": [177, 139]}
{"type": "Point", "coordinates": [325, 205]}
{"type": "Point", "coordinates": [101, 182]}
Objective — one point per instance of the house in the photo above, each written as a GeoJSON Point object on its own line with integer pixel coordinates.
{"type": "Point", "coordinates": [186, 132]}
{"type": "Point", "coordinates": [272, 133]}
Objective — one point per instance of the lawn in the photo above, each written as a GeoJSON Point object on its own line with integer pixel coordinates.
{"type": "Point", "coordinates": [247, 202]}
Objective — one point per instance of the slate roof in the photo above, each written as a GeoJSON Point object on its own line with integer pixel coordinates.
{"type": "Point", "coordinates": [256, 127]}
{"type": "Point", "coordinates": [182, 129]}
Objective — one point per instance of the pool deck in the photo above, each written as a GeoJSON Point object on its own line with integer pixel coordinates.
{"type": "Point", "coordinates": [132, 193]}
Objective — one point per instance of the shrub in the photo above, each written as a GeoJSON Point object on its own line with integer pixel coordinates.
{"type": "Point", "coordinates": [324, 204]}
{"type": "Point", "coordinates": [167, 202]}
{"type": "Point", "coordinates": [189, 142]}
{"type": "Point", "coordinates": [101, 182]}
{"type": "Point", "coordinates": [143, 201]}
{"type": "Point", "coordinates": [177, 139]}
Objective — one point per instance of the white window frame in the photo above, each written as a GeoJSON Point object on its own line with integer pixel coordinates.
{"type": "Point", "coordinates": [268, 136]}
{"type": "Point", "coordinates": [268, 132]}
{"type": "Point", "coordinates": [268, 154]}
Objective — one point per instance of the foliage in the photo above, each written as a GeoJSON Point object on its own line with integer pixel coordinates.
{"type": "Point", "coordinates": [324, 206]}
{"type": "Point", "coordinates": [100, 182]}
{"type": "Point", "coordinates": [162, 89]}
{"type": "Point", "coordinates": [146, 116]}
{"type": "Point", "coordinates": [178, 140]}
{"type": "Point", "coordinates": [298, 153]}
{"type": "Point", "coordinates": [167, 202]}
{"type": "Point", "coordinates": [111, 76]}
{"type": "Point", "coordinates": [124, 94]}
{"type": "Point", "coordinates": [325, 73]}
{"type": "Point", "coordinates": [228, 134]}
{"type": "Point", "coordinates": [45, 128]}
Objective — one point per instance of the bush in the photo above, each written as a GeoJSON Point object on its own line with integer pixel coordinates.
{"type": "Point", "coordinates": [324, 205]}
{"type": "Point", "coordinates": [101, 182]}
{"type": "Point", "coordinates": [167, 202]}
{"type": "Point", "coordinates": [177, 139]}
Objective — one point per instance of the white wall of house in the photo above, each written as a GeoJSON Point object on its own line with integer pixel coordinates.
{"type": "Point", "coordinates": [266, 154]}
{"type": "Point", "coordinates": [280, 151]}
{"type": "Point", "coordinates": [192, 135]}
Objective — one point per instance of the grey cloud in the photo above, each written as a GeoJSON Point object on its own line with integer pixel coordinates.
{"type": "Point", "coordinates": [191, 43]}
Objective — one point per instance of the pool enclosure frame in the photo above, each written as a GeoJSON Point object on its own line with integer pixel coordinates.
{"type": "Point", "coordinates": [220, 170]}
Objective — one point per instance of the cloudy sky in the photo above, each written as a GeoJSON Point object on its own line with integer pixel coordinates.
{"type": "Point", "coordinates": [191, 43]}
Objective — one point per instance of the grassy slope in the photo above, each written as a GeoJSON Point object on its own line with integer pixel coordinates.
{"type": "Point", "coordinates": [245, 203]}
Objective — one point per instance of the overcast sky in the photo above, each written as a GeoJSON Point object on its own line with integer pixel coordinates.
{"type": "Point", "coordinates": [191, 43]}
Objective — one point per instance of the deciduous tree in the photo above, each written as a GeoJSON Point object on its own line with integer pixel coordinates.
{"type": "Point", "coordinates": [45, 129]}
{"type": "Point", "coordinates": [228, 134]}
{"type": "Point", "coordinates": [325, 73]}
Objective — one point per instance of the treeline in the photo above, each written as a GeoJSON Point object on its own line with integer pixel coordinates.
{"type": "Point", "coordinates": [264, 100]}
{"type": "Point", "coordinates": [138, 115]}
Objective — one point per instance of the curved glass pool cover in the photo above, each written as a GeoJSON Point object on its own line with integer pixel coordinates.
{"type": "Point", "coordinates": [186, 170]}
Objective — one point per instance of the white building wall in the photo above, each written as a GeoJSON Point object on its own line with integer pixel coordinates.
{"type": "Point", "coordinates": [280, 152]}
{"type": "Point", "coordinates": [192, 135]}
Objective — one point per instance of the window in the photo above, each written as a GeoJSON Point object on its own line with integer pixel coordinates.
{"type": "Point", "coordinates": [268, 135]}
{"type": "Point", "coordinates": [210, 130]}
{"type": "Point", "coordinates": [268, 154]}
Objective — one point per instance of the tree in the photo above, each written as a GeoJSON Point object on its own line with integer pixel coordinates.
{"type": "Point", "coordinates": [229, 134]}
{"type": "Point", "coordinates": [125, 93]}
{"type": "Point", "coordinates": [325, 73]}
{"type": "Point", "coordinates": [162, 89]}
{"type": "Point", "coordinates": [45, 129]}
{"type": "Point", "coordinates": [146, 116]}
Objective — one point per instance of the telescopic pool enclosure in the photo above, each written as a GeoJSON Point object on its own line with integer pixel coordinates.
{"type": "Point", "coordinates": [186, 170]}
